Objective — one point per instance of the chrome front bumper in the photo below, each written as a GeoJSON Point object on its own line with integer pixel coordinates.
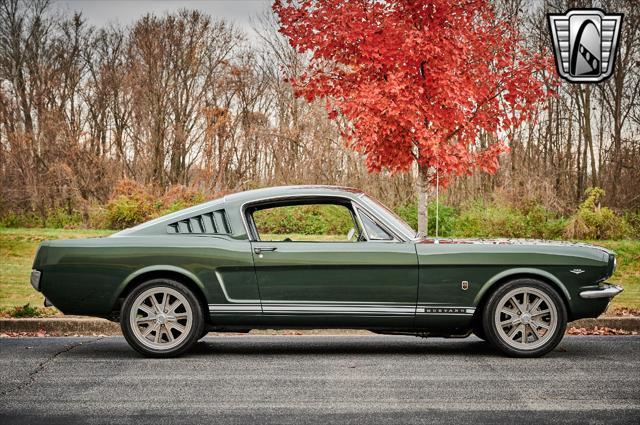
{"type": "Point", "coordinates": [605, 291]}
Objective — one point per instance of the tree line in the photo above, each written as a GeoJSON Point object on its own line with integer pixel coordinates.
{"type": "Point", "coordinates": [187, 99]}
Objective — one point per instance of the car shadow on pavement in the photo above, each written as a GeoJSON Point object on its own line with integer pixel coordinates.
{"type": "Point", "coordinates": [116, 348]}
{"type": "Point", "coordinates": [360, 346]}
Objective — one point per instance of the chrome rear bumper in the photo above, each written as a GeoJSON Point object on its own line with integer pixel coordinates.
{"type": "Point", "coordinates": [35, 279]}
{"type": "Point", "coordinates": [605, 291]}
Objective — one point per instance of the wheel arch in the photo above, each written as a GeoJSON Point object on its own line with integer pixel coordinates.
{"type": "Point", "coordinates": [520, 273]}
{"type": "Point", "coordinates": [156, 272]}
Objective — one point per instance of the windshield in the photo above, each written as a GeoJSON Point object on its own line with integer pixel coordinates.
{"type": "Point", "coordinates": [390, 216]}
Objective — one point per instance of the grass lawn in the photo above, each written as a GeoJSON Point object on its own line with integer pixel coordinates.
{"type": "Point", "coordinates": [18, 247]}
{"type": "Point", "coordinates": [628, 272]}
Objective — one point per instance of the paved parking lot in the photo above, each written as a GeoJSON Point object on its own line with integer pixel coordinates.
{"type": "Point", "coordinates": [318, 379]}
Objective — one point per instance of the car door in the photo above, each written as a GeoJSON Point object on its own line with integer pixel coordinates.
{"type": "Point", "coordinates": [340, 282]}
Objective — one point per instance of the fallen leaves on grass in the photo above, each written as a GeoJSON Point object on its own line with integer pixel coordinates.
{"type": "Point", "coordinates": [625, 311]}
{"type": "Point", "coordinates": [599, 331]}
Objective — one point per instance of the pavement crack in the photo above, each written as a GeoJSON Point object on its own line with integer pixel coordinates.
{"type": "Point", "coordinates": [42, 365]}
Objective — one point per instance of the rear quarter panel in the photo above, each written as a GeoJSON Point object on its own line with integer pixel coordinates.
{"type": "Point", "coordinates": [87, 276]}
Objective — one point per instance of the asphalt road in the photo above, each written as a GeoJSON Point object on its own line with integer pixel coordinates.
{"type": "Point", "coordinates": [318, 379]}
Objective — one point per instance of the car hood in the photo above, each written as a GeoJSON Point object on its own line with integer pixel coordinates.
{"type": "Point", "coordinates": [507, 241]}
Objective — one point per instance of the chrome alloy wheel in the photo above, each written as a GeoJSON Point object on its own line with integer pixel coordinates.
{"type": "Point", "coordinates": [161, 318]}
{"type": "Point", "coordinates": [526, 318]}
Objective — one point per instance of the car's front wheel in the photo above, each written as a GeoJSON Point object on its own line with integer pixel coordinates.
{"type": "Point", "coordinates": [161, 318]}
{"type": "Point", "coordinates": [478, 330]}
{"type": "Point", "coordinates": [525, 318]}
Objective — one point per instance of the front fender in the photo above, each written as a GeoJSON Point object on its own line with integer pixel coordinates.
{"type": "Point", "coordinates": [521, 272]}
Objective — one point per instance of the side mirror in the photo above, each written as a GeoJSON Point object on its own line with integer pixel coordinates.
{"type": "Point", "coordinates": [352, 232]}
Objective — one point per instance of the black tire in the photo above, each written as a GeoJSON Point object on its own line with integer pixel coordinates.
{"type": "Point", "coordinates": [540, 345]}
{"type": "Point", "coordinates": [477, 328]}
{"type": "Point", "coordinates": [189, 307]}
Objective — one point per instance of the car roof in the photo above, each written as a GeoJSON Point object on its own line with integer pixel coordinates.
{"type": "Point", "coordinates": [286, 191]}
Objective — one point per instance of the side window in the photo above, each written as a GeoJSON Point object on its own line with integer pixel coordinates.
{"type": "Point", "coordinates": [309, 222]}
{"type": "Point", "coordinates": [374, 231]}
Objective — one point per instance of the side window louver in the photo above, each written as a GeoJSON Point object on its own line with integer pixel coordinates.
{"type": "Point", "coordinates": [211, 223]}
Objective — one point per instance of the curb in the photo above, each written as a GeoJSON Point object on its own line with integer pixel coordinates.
{"type": "Point", "coordinates": [614, 322]}
{"type": "Point", "coordinates": [94, 326]}
{"type": "Point", "coordinates": [60, 326]}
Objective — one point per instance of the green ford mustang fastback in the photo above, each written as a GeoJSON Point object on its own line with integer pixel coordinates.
{"type": "Point", "coordinates": [239, 263]}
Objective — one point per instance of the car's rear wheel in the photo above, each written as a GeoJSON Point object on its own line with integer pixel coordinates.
{"type": "Point", "coordinates": [525, 318]}
{"type": "Point", "coordinates": [161, 318]}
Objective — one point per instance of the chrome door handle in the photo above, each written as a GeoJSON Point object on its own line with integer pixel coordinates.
{"type": "Point", "coordinates": [259, 251]}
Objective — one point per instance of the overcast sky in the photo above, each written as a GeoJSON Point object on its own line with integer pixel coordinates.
{"type": "Point", "coordinates": [104, 12]}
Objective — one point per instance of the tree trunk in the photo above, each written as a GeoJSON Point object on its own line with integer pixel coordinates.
{"type": "Point", "coordinates": [588, 134]}
{"type": "Point", "coordinates": [617, 131]}
{"type": "Point", "coordinates": [423, 199]}
{"type": "Point", "coordinates": [579, 163]}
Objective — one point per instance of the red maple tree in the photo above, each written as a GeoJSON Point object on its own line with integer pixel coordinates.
{"type": "Point", "coordinates": [417, 81]}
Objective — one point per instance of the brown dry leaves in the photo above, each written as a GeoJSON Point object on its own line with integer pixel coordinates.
{"type": "Point", "coordinates": [40, 333]}
{"type": "Point", "coordinates": [625, 311]}
{"type": "Point", "coordinates": [599, 331]}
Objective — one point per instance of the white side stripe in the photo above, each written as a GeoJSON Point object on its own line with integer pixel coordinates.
{"type": "Point", "coordinates": [343, 308]}
{"type": "Point", "coordinates": [235, 308]}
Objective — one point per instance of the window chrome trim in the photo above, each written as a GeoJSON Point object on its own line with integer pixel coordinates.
{"type": "Point", "coordinates": [358, 222]}
{"type": "Point", "coordinates": [254, 238]}
{"type": "Point", "coordinates": [396, 230]}
{"type": "Point", "coordinates": [394, 238]}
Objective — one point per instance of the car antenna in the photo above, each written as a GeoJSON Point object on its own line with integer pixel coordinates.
{"type": "Point", "coordinates": [437, 200]}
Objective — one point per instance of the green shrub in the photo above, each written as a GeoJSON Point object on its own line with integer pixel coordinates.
{"type": "Point", "coordinates": [60, 218]}
{"type": "Point", "coordinates": [593, 221]}
{"type": "Point", "coordinates": [12, 219]}
{"type": "Point", "coordinates": [179, 197]}
{"type": "Point", "coordinates": [409, 213]}
{"type": "Point", "coordinates": [541, 223]}
{"type": "Point", "coordinates": [447, 217]}
{"type": "Point", "coordinates": [97, 217]}
{"type": "Point", "coordinates": [304, 219]}
{"type": "Point", "coordinates": [132, 204]}
{"type": "Point", "coordinates": [496, 219]}
{"type": "Point", "coordinates": [633, 222]}
{"type": "Point", "coordinates": [123, 211]}
{"type": "Point", "coordinates": [489, 220]}
{"type": "Point", "coordinates": [28, 310]}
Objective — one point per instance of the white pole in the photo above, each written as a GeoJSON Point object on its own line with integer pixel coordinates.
{"type": "Point", "coordinates": [437, 200]}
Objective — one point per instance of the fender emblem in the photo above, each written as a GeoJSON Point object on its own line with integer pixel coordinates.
{"type": "Point", "coordinates": [577, 271]}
